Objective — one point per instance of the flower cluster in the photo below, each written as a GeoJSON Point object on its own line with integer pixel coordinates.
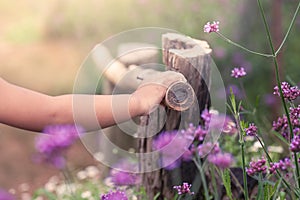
{"type": "Point", "coordinates": [172, 145]}
{"type": "Point", "coordinates": [295, 144]}
{"type": "Point", "coordinates": [184, 188]}
{"type": "Point", "coordinates": [211, 27]}
{"type": "Point", "coordinates": [238, 72]}
{"type": "Point", "coordinates": [283, 165]}
{"type": "Point", "coordinates": [52, 145]}
{"type": "Point", "coordinates": [251, 130]}
{"type": "Point", "coordinates": [289, 92]}
{"type": "Point", "coordinates": [177, 146]}
{"type": "Point", "coordinates": [114, 195]}
{"type": "Point", "coordinates": [281, 124]}
{"type": "Point", "coordinates": [122, 174]}
{"type": "Point", "coordinates": [208, 148]}
{"type": "Point", "coordinates": [256, 167]}
{"type": "Point", "coordinates": [221, 159]}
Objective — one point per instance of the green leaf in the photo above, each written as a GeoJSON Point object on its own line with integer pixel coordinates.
{"type": "Point", "coordinates": [280, 137]}
{"type": "Point", "coordinates": [232, 100]}
{"type": "Point", "coordinates": [156, 196]}
{"type": "Point", "coordinates": [227, 182]}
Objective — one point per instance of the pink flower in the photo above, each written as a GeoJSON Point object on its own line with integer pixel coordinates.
{"type": "Point", "coordinates": [289, 92]}
{"type": "Point", "coordinates": [221, 160]}
{"type": "Point", "coordinates": [116, 195]}
{"type": "Point", "coordinates": [258, 166]}
{"type": "Point", "coordinates": [211, 27]}
{"type": "Point", "coordinates": [238, 72]}
{"type": "Point", "coordinates": [251, 130]}
{"type": "Point", "coordinates": [185, 188]}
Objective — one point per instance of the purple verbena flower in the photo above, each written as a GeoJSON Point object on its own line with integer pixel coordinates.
{"type": "Point", "coordinates": [206, 116]}
{"type": "Point", "coordinates": [115, 195]}
{"type": "Point", "coordinates": [256, 167]}
{"type": "Point", "coordinates": [171, 146]}
{"type": "Point", "coordinates": [251, 130]}
{"type": "Point", "coordinates": [124, 178]}
{"type": "Point", "coordinates": [281, 124]}
{"type": "Point", "coordinates": [200, 133]}
{"type": "Point", "coordinates": [52, 145]}
{"type": "Point", "coordinates": [208, 148]}
{"type": "Point", "coordinates": [184, 188]}
{"type": "Point", "coordinates": [211, 27]}
{"type": "Point", "coordinates": [4, 195]}
{"type": "Point", "coordinates": [283, 165]}
{"type": "Point", "coordinates": [295, 115]}
{"type": "Point", "coordinates": [290, 93]}
{"type": "Point", "coordinates": [122, 173]}
{"type": "Point", "coordinates": [295, 144]}
{"type": "Point", "coordinates": [238, 72]}
{"type": "Point", "coordinates": [221, 160]}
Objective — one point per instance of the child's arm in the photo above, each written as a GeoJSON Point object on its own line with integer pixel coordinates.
{"type": "Point", "coordinates": [31, 110]}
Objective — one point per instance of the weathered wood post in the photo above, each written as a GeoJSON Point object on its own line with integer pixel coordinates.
{"type": "Point", "coordinates": [191, 58]}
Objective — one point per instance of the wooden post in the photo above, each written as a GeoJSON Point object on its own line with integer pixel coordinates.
{"type": "Point", "coordinates": [191, 58]}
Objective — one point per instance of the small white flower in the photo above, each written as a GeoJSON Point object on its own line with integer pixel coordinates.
{"type": "Point", "coordinates": [25, 196]}
{"type": "Point", "coordinates": [86, 194]}
{"type": "Point", "coordinates": [92, 171]}
{"type": "Point", "coordinates": [50, 186]}
{"type": "Point", "coordinates": [81, 175]}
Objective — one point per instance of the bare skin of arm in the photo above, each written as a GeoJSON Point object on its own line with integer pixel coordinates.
{"type": "Point", "coordinates": [31, 110]}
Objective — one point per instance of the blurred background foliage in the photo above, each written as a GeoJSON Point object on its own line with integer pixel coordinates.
{"type": "Point", "coordinates": [43, 43]}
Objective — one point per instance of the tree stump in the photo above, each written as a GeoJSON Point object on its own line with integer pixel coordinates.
{"type": "Point", "coordinates": [191, 58]}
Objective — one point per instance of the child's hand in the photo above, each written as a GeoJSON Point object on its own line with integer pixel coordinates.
{"type": "Point", "coordinates": [153, 89]}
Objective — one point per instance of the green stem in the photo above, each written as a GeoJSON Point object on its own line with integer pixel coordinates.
{"type": "Point", "coordinates": [214, 183]}
{"type": "Point", "coordinates": [242, 47]}
{"type": "Point", "coordinates": [198, 164]}
{"type": "Point", "coordinates": [244, 172]}
{"type": "Point", "coordinates": [279, 87]}
{"type": "Point", "coordinates": [289, 29]}
{"type": "Point", "coordinates": [242, 145]}
{"type": "Point", "coordinates": [260, 193]}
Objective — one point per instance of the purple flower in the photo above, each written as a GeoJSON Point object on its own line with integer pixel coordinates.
{"type": "Point", "coordinates": [116, 195]}
{"type": "Point", "coordinates": [281, 124]}
{"type": "Point", "coordinates": [171, 146]}
{"type": "Point", "coordinates": [289, 93]}
{"type": "Point", "coordinates": [121, 175]}
{"type": "Point", "coordinates": [124, 178]}
{"type": "Point", "coordinates": [283, 165]}
{"type": "Point", "coordinates": [238, 72]}
{"type": "Point", "coordinates": [256, 167]}
{"type": "Point", "coordinates": [221, 160]}
{"type": "Point", "coordinates": [295, 144]}
{"type": "Point", "coordinates": [52, 145]}
{"type": "Point", "coordinates": [4, 195]}
{"type": "Point", "coordinates": [208, 148]}
{"type": "Point", "coordinates": [211, 27]}
{"type": "Point", "coordinates": [251, 130]}
{"type": "Point", "coordinates": [183, 189]}
{"type": "Point", "coordinates": [206, 116]}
